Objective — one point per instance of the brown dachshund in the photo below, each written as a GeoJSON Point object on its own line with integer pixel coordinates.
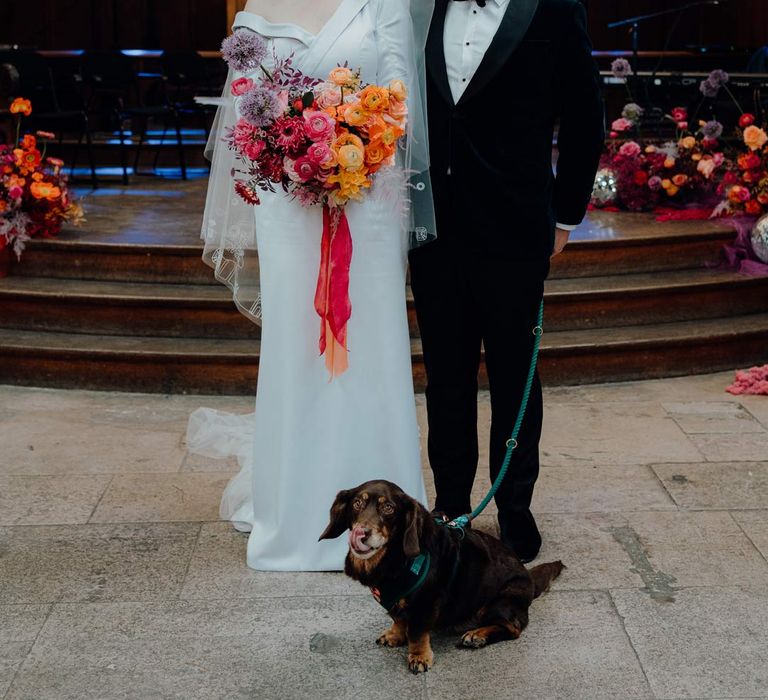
{"type": "Point", "coordinates": [428, 575]}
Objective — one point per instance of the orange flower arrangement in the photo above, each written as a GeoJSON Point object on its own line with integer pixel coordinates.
{"type": "Point", "coordinates": [34, 195]}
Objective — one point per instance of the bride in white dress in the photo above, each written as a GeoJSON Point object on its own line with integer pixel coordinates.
{"type": "Point", "coordinates": [310, 436]}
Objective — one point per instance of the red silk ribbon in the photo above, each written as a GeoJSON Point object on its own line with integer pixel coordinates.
{"type": "Point", "coordinates": [332, 301]}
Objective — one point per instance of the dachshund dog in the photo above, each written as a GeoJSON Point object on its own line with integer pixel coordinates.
{"type": "Point", "coordinates": [428, 575]}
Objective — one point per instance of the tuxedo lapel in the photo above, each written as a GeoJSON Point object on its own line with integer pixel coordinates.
{"type": "Point", "coordinates": [436, 51]}
{"type": "Point", "coordinates": [513, 28]}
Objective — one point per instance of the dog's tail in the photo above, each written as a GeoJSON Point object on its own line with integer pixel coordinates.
{"type": "Point", "coordinates": [543, 575]}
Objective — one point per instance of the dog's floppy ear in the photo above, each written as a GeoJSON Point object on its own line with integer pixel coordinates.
{"type": "Point", "coordinates": [414, 525]}
{"type": "Point", "coordinates": [338, 523]}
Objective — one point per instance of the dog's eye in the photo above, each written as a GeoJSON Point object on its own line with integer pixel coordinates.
{"type": "Point", "coordinates": [358, 504]}
{"type": "Point", "coordinates": [387, 509]}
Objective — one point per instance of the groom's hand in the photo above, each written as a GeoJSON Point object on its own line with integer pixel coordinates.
{"type": "Point", "coordinates": [561, 240]}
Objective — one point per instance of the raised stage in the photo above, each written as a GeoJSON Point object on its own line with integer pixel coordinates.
{"type": "Point", "coordinates": [125, 303]}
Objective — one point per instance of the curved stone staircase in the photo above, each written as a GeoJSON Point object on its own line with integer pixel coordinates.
{"type": "Point", "coordinates": [630, 298]}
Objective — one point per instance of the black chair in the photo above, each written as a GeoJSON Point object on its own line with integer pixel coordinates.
{"type": "Point", "coordinates": [34, 81]}
{"type": "Point", "coordinates": [114, 93]}
{"type": "Point", "coordinates": [188, 75]}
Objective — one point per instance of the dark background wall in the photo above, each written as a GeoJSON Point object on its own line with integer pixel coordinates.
{"type": "Point", "coordinates": [200, 24]}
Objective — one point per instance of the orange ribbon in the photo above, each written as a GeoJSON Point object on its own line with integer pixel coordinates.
{"type": "Point", "coordinates": [332, 301]}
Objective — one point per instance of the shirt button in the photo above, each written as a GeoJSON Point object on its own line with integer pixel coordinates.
{"type": "Point", "coordinates": [467, 43]}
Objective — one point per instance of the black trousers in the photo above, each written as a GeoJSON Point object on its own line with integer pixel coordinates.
{"type": "Point", "coordinates": [464, 301]}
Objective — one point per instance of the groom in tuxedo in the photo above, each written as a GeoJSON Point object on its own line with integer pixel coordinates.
{"type": "Point", "coordinates": [501, 75]}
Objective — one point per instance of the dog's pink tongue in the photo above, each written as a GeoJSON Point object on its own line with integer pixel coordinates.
{"type": "Point", "coordinates": [356, 538]}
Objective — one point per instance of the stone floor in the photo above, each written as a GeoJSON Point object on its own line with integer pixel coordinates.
{"type": "Point", "coordinates": [116, 580]}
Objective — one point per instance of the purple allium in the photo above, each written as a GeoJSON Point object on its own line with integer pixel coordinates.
{"type": "Point", "coordinates": [718, 77]}
{"type": "Point", "coordinates": [712, 130]}
{"type": "Point", "coordinates": [633, 112]}
{"type": "Point", "coordinates": [244, 51]}
{"type": "Point", "coordinates": [709, 89]}
{"type": "Point", "coordinates": [621, 68]}
{"type": "Point", "coordinates": [260, 106]}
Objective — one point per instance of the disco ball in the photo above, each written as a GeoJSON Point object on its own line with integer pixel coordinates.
{"type": "Point", "coordinates": [605, 189]}
{"type": "Point", "coordinates": [760, 238]}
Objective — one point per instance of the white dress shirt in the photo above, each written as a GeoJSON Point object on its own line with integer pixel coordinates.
{"type": "Point", "coordinates": [469, 31]}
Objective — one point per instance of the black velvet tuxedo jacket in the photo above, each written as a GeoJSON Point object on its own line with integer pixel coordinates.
{"type": "Point", "coordinates": [501, 197]}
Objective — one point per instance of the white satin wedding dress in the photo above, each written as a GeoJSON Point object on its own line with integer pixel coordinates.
{"type": "Point", "coordinates": [311, 437]}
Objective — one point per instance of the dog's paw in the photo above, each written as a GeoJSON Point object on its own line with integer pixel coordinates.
{"type": "Point", "coordinates": [474, 639]}
{"type": "Point", "coordinates": [391, 638]}
{"type": "Point", "coordinates": [420, 663]}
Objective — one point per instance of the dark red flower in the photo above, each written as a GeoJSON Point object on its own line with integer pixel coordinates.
{"type": "Point", "coordinates": [746, 120]}
{"type": "Point", "coordinates": [248, 194]}
{"type": "Point", "coordinates": [641, 177]}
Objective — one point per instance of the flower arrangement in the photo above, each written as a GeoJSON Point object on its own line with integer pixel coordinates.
{"type": "Point", "coordinates": [320, 141]}
{"type": "Point", "coordinates": [34, 195]}
{"type": "Point", "coordinates": [744, 187]}
{"type": "Point", "coordinates": [677, 171]}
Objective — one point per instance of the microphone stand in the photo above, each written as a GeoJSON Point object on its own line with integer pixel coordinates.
{"type": "Point", "coordinates": [635, 22]}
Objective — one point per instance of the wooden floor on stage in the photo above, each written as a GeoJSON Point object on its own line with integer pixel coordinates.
{"type": "Point", "coordinates": [126, 303]}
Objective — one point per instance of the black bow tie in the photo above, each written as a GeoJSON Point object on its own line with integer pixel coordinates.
{"type": "Point", "coordinates": [481, 3]}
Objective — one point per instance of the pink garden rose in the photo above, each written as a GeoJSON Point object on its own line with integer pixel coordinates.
{"type": "Point", "coordinates": [241, 86]}
{"type": "Point", "coordinates": [15, 192]}
{"type": "Point", "coordinates": [327, 95]}
{"type": "Point", "coordinates": [319, 126]}
{"type": "Point", "coordinates": [621, 125]}
{"type": "Point", "coordinates": [321, 154]}
{"type": "Point", "coordinates": [631, 149]}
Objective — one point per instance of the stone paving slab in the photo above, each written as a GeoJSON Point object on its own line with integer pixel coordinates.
{"type": "Point", "coordinates": [750, 447]}
{"type": "Point", "coordinates": [19, 627]}
{"type": "Point", "coordinates": [305, 647]}
{"type": "Point", "coordinates": [49, 500]}
{"type": "Point", "coordinates": [593, 489]}
{"type": "Point", "coordinates": [704, 548]}
{"type": "Point", "coordinates": [754, 523]}
{"type": "Point", "coordinates": [574, 647]}
{"type": "Point", "coordinates": [713, 417]}
{"type": "Point", "coordinates": [162, 498]}
{"type": "Point", "coordinates": [53, 445]}
{"type": "Point", "coordinates": [611, 434]}
{"type": "Point", "coordinates": [716, 485]}
{"type": "Point", "coordinates": [709, 643]}
{"type": "Point", "coordinates": [94, 562]}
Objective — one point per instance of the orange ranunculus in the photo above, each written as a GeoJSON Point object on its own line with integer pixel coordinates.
{"type": "Point", "coordinates": [680, 180]}
{"type": "Point", "coordinates": [688, 142]}
{"type": "Point", "coordinates": [755, 137]}
{"type": "Point", "coordinates": [15, 181]}
{"type": "Point", "coordinates": [375, 98]}
{"type": "Point", "coordinates": [350, 185]}
{"type": "Point", "coordinates": [696, 157]}
{"type": "Point", "coordinates": [672, 190]}
{"type": "Point", "coordinates": [45, 190]}
{"type": "Point", "coordinates": [343, 77]}
{"type": "Point", "coordinates": [21, 106]}
{"type": "Point", "coordinates": [375, 155]}
{"type": "Point", "coordinates": [398, 90]}
{"type": "Point", "coordinates": [351, 158]}
{"type": "Point", "coordinates": [666, 183]}
{"type": "Point", "coordinates": [353, 114]}
{"type": "Point", "coordinates": [345, 138]}
{"type": "Point", "coordinates": [669, 162]}
{"type": "Point", "coordinates": [387, 133]}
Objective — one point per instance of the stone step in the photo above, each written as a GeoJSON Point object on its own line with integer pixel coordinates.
{"type": "Point", "coordinates": [230, 366]}
{"type": "Point", "coordinates": [207, 311]}
{"type": "Point", "coordinates": [607, 244]}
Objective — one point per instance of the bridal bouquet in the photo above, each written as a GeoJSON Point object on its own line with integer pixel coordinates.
{"type": "Point", "coordinates": [322, 142]}
{"type": "Point", "coordinates": [34, 195]}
